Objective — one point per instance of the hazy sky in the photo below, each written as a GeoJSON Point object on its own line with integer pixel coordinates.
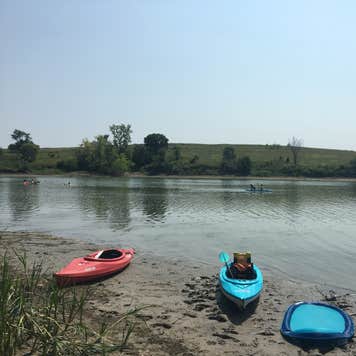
{"type": "Point", "coordinates": [197, 71]}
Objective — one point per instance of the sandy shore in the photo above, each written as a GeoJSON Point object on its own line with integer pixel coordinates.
{"type": "Point", "coordinates": [187, 315]}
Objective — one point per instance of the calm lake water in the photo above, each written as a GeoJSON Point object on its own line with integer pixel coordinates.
{"type": "Point", "coordinates": [303, 229]}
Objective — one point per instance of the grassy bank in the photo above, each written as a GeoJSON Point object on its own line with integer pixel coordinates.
{"type": "Point", "coordinates": [267, 160]}
{"type": "Point", "coordinates": [38, 317]}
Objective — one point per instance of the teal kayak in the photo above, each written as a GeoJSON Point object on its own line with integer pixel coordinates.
{"type": "Point", "coordinates": [241, 291]}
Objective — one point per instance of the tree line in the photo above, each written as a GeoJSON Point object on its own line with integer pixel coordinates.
{"type": "Point", "coordinates": [114, 154]}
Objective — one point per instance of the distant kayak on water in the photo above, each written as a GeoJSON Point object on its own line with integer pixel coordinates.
{"type": "Point", "coordinates": [30, 181]}
{"type": "Point", "coordinates": [258, 190]}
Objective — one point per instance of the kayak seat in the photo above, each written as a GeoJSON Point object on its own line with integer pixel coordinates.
{"type": "Point", "coordinates": [236, 274]}
{"type": "Point", "coordinates": [109, 254]}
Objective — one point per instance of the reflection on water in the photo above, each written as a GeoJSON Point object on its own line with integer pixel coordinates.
{"type": "Point", "coordinates": [111, 204]}
{"type": "Point", "coordinates": [23, 201]}
{"type": "Point", "coordinates": [154, 201]}
{"type": "Point", "coordinates": [293, 230]}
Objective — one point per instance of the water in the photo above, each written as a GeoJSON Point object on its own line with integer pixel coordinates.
{"type": "Point", "coordinates": [303, 229]}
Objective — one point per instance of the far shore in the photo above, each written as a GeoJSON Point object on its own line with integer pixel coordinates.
{"type": "Point", "coordinates": [207, 177]}
{"type": "Point", "coordinates": [186, 313]}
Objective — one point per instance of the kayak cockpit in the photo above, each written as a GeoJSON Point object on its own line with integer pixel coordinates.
{"type": "Point", "coordinates": [106, 255]}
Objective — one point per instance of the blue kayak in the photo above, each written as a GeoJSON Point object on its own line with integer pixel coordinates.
{"type": "Point", "coordinates": [241, 291]}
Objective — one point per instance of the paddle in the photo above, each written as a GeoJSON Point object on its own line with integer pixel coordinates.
{"type": "Point", "coordinates": [224, 258]}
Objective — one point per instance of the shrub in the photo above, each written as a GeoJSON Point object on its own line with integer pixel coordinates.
{"type": "Point", "coordinates": [68, 165]}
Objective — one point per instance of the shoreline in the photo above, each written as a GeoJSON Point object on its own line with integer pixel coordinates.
{"type": "Point", "coordinates": [187, 315]}
{"type": "Point", "coordinates": [205, 177]}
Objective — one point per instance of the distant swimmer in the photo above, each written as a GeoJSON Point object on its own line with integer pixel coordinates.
{"type": "Point", "coordinates": [252, 187]}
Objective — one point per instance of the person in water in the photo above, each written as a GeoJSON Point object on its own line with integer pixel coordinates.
{"type": "Point", "coordinates": [252, 187]}
{"type": "Point", "coordinates": [261, 187]}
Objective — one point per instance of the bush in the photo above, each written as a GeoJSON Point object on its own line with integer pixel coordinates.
{"type": "Point", "coordinates": [243, 166]}
{"type": "Point", "coordinates": [68, 165]}
{"type": "Point", "coordinates": [120, 166]}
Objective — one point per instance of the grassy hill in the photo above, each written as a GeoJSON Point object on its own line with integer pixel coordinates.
{"type": "Point", "coordinates": [262, 154]}
{"type": "Point", "coordinates": [266, 159]}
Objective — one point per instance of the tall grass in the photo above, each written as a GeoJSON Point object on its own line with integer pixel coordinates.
{"type": "Point", "coordinates": [37, 317]}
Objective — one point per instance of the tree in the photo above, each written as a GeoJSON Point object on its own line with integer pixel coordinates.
{"type": "Point", "coordinates": [101, 156]}
{"type": "Point", "coordinates": [120, 165]}
{"type": "Point", "coordinates": [121, 136]}
{"type": "Point", "coordinates": [243, 166]}
{"type": "Point", "coordinates": [85, 155]}
{"type": "Point", "coordinates": [28, 152]}
{"type": "Point", "coordinates": [156, 143]}
{"type": "Point", "coordinates": [295, 144]}
{"type": "Point", "coordinates": [20, 137]}
{"type": "Point", "coordinates": [195, 159]}
{"type": "Point", "coordinates": [139, 156]}
{"type": "Point", "coordinates": [156, 146]}
{"type": "Point", "coordinates": [228, 163]}
{"type": "Point", "coordinates": [352, 168]}
{"type": "Point", "coordinates": [229, 153]}
{"type": "Point", "coordinates": [24, 146]}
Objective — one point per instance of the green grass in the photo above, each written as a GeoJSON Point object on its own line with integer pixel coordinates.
{"type": "Point", "coordinates": [46, 161]}
{"type": "Point", "coordinates": [260, 154]}
{"type": "Point", "coordinates": [39, 318]}
{"type": "Point", "coordinates": [209, 155]}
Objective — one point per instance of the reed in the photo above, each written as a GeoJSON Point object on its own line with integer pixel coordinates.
{"type": "Point", "coordinates": [38, 317]}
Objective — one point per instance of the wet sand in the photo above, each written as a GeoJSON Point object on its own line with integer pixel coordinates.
{"type": "Point", "coordinates": [186, 313]}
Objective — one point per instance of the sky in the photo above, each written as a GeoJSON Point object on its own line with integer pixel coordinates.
{"type": "Point", "coordinates": [234, 72]}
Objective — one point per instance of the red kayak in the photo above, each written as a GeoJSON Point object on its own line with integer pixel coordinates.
{"type": "Point", "coordinates": [94, 266]}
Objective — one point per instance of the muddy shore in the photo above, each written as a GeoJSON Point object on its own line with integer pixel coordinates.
{"type": "Point", "coordinates": [187, 315]}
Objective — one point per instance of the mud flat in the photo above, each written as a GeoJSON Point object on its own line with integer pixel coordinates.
{"type": "Point", "coordinates": [186, 313]}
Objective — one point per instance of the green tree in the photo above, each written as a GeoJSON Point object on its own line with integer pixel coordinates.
{"type": "Point", "coordinates": [229, 162]}
{"type": "Point", "coordinates": [28, 152]}
{"type": "Point", "coordinates": [85, 156]}
{"type": "Point", "coordinates": [156, 143]}
{"type": "Point", "coordinates": [195, 159]}
{"type": "Point", "coordinates": [243, 166]}
{"type": "Point", "coordinates": [229, 154]}
{"type": "Point", "coordinates": [24, 147]}
{"type": "Point", "coordinates": [120, 165]}
{"type": "Point", "coordinates": [139, 156]}
{"type": "Point", "coordinates": [101, 156]}
{"type": "Point", "coordinates": [20, 138]}
{"type": "Point", "coordinates": [352, 168]}
{"type": "Point", "coordinates": [121, 136]}
{"type": "Point", "coordinates": [156, 146]}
